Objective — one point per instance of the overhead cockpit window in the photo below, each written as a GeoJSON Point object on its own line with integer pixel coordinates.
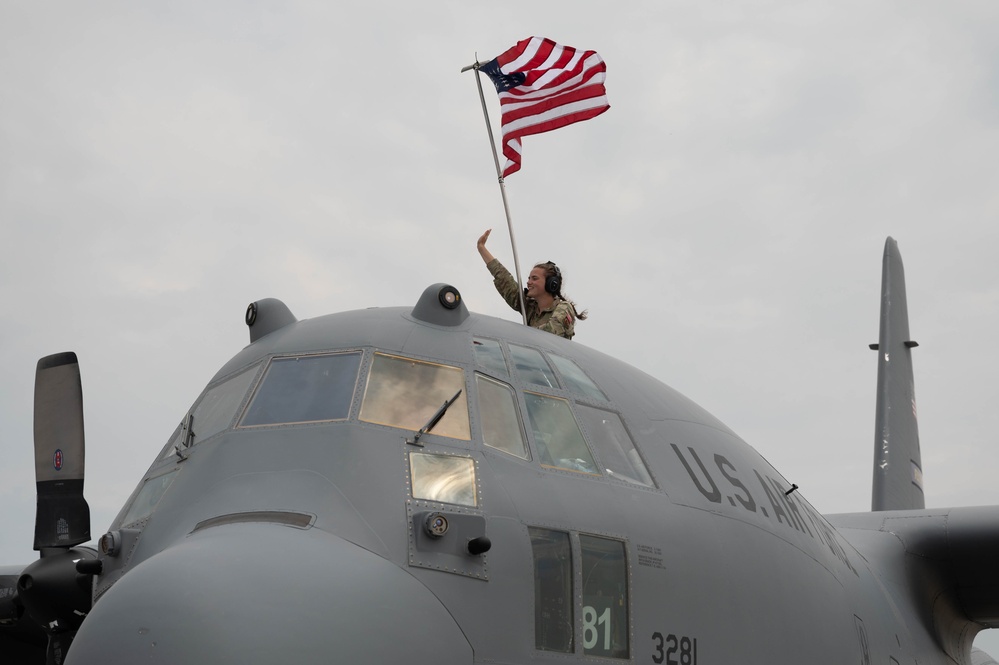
{"type": "Point", "coordinates": [560, 443]}
{"type": "Point", "coordinates": [576, 378]}
{"type": "Point", "coordinates": [406, 393]}
{"type": "Point", "coordinates": [145, 501]}
{"type": "Point", "coordinates": [305, 389]}
{"type": "Point", "coordinates": [613, 446]}
{"type": "Point", "coordinates": [531, 367]}
{"type": "Point", "coordinates": [553, 603]}
{"type": "Point", "coordinates": [605, 597]}
{"type": "Point", "coordinates": [498, 412]}
{"type": "Point", "coordinates": [443, 478]}
{"type": "Point", "coordinates": [489, 355]}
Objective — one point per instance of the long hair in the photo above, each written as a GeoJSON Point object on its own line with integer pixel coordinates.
{"type": "Point", "coordinates": [552, 271]}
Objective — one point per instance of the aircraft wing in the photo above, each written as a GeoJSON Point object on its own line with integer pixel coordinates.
{"type": "Point", "coordinates": [942, 562]}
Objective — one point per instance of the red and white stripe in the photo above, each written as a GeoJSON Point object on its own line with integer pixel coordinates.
{"type": "Point", "coordinates": [563, 86]}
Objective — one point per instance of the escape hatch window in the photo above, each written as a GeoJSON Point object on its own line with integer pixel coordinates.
{"type": "Point", "coordinates": [500, 417]}
{"type": "Point", "coordinates": [556, 434]}
{"type": "Point", "coordinates": [406, 393]}
{"type": "Point", "coordinates": [443, 478]}
{"type": "Point", "coordinates": [531, 367]}
{"type": "Point", "coordinates": [305, 389]}
{"type": "Point", "coordinates": [613, 446]}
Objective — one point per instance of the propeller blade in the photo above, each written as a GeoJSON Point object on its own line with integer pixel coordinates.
{"type": "Point", "coordinates": [62, 518]}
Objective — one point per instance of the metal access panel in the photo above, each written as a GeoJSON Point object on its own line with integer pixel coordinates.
{"type": "Point", "coordinates": [447, 549]}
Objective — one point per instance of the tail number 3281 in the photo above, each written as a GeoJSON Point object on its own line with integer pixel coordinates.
{"type": "Point", "coordinates": [674, 649]}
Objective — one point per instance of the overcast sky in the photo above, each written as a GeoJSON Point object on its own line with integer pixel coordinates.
{"type": "Point", "coordinates": [164, 164]}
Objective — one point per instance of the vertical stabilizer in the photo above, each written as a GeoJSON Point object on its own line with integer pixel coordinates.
{"type": "Point", "coordinates": [898, 474]}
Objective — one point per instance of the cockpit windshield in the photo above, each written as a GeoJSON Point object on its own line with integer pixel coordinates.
{"type": "Point", "coordinates": [405, 393]}
{"type": "Point", "coordinates": [305, 389]}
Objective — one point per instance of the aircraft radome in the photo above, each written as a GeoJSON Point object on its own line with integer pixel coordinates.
{"type": "Point", "coordinates": [422, 484]}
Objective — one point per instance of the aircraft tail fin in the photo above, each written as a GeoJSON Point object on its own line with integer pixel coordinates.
{"type": "Point", "coordinates": [898, 474]}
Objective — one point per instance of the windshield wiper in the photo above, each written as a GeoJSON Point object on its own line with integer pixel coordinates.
{"type": "Point", "coordinates": [433, 420]}
{"type": "Point", "coordinates": [186, 437]}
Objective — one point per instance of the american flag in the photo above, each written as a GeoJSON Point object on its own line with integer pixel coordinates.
{"type": "Point", "coordinates": [543, 86]}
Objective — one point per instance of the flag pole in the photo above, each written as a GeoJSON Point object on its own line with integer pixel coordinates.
{"type": "Point", "coordinates": [502, 186]}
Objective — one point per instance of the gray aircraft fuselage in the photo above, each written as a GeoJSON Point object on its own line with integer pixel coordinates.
{"type": "Point", "coordinates": [621, 523]}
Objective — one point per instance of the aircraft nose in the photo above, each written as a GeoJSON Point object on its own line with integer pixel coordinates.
{"type": "Point", "coordinates": [263, 593]}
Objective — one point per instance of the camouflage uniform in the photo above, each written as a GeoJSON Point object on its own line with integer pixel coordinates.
{"type": "Point", "coordinates": [559, 319]}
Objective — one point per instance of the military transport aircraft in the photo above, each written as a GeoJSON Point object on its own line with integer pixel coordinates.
{"type": "Point", "coordinates": [426, 485]}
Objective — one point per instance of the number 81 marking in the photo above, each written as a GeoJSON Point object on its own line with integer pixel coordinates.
{"type": "Point", "coordinates": [591, 632]}
{"type": "Point", "coordinates": [665, 650]}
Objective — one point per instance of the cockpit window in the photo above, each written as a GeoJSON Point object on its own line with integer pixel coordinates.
{"type": "Point", "coordinates": [613, 446]}
{"type": "Point", "coordinates": [531, 367]}
{"type": "Point", "coordinates": [489, 355]}
{"type": "Point", "coordinates": [501, 428]}
{"type": "Point", "coordinates": [145, 501]}
{"type": "Point", "coordinates": [305, 389]}
{"type": "Point", "coordinates": [560, 443]}
{"type": "Point", "coordinates": [215, 411]}
{"type": "Point", "coordinates": [604, 594]}
{"type": "Point", "coordinates": [553, 604]}
{"type": "Point", "coordinates": [443, 478]}
{"type": "Point", "coordinates": [576, 378]}
{"type": "Point", "coordinates": [406, 393]}
{"type": "Point", "coordinates": [605, 597]}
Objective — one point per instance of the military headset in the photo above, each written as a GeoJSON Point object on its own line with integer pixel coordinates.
{"type": "Point", "coordinates": [553, 283]}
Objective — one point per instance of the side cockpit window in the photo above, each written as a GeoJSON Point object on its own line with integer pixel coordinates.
{"type": "Point", "coordinates": [150, 493]}
{"type": "Point", "coordinates": [216, 409]}
{"type": "Point", "coordinates": [556, 434]}
{"type": "Point", "coordinates": [572, 422]}
{"type": "Point", "coordinates": [500, 417]}
{"type": "Point", "coordinates": [211, 414]}
{"type": "Point", "coordinates": [406, 393]}
{"type": "Point", "coordinates": [613, 446]}
{"type": "Point", "coordinates": [305, 389]}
